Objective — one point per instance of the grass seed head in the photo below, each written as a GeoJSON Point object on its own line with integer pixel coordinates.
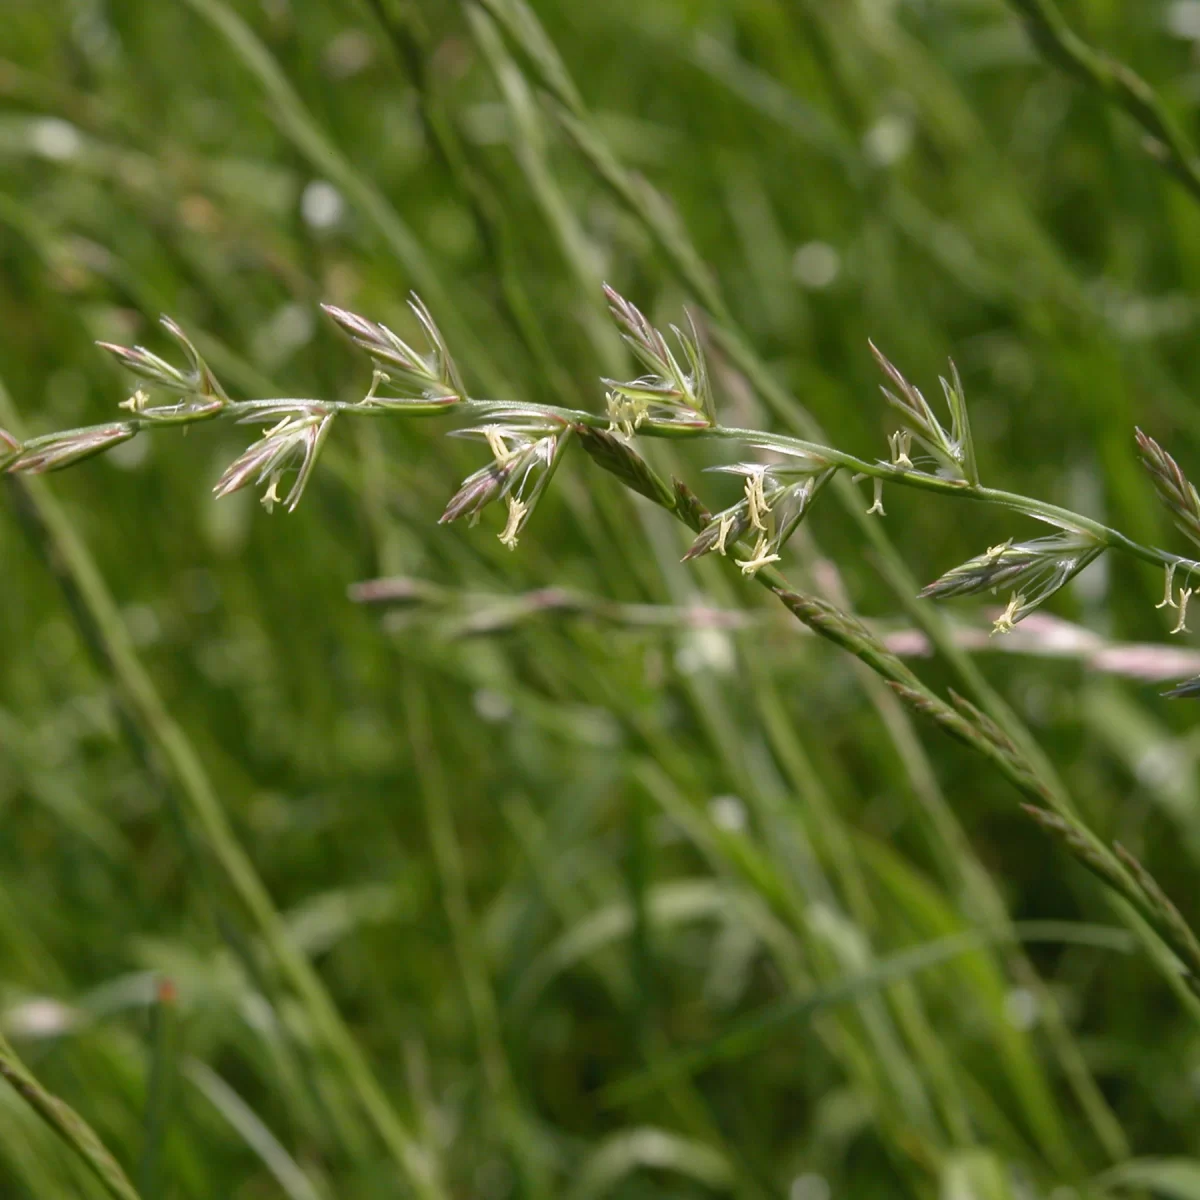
{"type": "Point", "coordinates": [58, 450]}
{"type": "Point", "coordinates": [1175, 491]}
{"type": "Point", "coordinates": [426, 382]}
{"type": "Point", "coordinates": [197, 380]}
{"type": "Point", "coordinates": [670, 396]}
{"type": "Point", "coordinates": [953, 449]}
{"type": "Point", "coordinates": [523, 459]}
{"type": "Point", "coordinates": [1035, 570]}
{"type": "Point", "coordinates": [295, 442]}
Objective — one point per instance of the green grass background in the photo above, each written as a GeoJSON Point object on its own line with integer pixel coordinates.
{"type": "Point", "coordinates": [531, 859]}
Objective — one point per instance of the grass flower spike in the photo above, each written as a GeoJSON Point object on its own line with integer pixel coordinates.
{"type": "Point", "coordinates": [777, 498]}
{"type": "Point", "coordinates": [427, 383]}
{"type": "Point", "coordinates": [670, 398]}
{"type": "Point", "coordinates": [1177, 492]}
{"type": "Point", "coordinates": [527, 442]}
{"type": "Point", "coordinates": [1035, 570]}
{"type": "Point", "coordinates": [295, 441]}
{"type": "Point", "coordinates": [197, 382]}
{"type": "Point", "coordinates": [58, 450]}
{"type": "Point", "coordinates": [525, 453]}
{"type": "Point", "coordinates": [952, 449]}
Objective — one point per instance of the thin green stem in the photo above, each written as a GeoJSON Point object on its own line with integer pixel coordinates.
{"type": "Point", "coordinates": [888, 472]}
{"type": "Point", "coordinates": [907, 477]}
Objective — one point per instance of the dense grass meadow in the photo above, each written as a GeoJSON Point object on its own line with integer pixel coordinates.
{"type": "Point", "coordinates": [349, 854]}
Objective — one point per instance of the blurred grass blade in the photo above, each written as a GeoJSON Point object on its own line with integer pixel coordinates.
{"type": "Point", "coordinates": [68, 1124]}
{"type": "Point", "coordinates": [249, 1126]}
{"type": "Point", "coordinates": [1167, 143]}
{"type": "Point", "coordinates": [750, 1033]}
{"type": "Point", "coordinates": [159, 1087]}
{"type": "Point", "coordinates": [975, 1175]}
{"type": "Point", "coordinates": [669, 904]}
{"type": "Point", "coordinates": [1170, 1178]}
{"type": "Point", "coordinates": [630, 1150]}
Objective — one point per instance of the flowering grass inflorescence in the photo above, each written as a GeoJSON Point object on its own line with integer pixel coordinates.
{"type": "Point", "coordinates": [673, 399]}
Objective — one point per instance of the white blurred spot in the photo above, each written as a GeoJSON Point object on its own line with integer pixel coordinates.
{"type": "Point", "coordinates": [1183, 19]}
{"type": "Point", "coordinates": [43, 1017]}
{"type": "Point", "coordinates": [1160, 763]}
{"type": "Point", "coordinates": [258, 1014]}
{"type": "Point", "coordinates": [727, 812]}
{"type": "Point", "coordinates": [705, 649]}
{"type": "Point", "coordinates": [1021, 1009]}
{"type": "Point", "coordinates": [888, 140]}
{"type": "Point", "coordinates": [349, 53]}
{"type": "Point", "coordinates": [809, 1186]}
{"type": "Point", "coordinates": [287, 330]}
{"type": "Point", "coordinates": [321, 204]}
{"type": "Point", "coordinates": [55, 139]}
{"type": "Point", "coordinates": [492, 706]}
{"type": "Point", "coordinates": [816, 265]}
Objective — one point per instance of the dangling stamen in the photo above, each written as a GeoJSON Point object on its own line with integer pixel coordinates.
{"type": "Point", "coordinates": [899, 444]}
{"type": "Point", "coordinates": [877, 504]}
{"type": "Point", "coordinates": [377, 377]}
{"type": "Point", "coordinates": [1007, 619]}
{"type": "Point", "coordinates": [516, 514]}
{"type": "Point", "coordinates": [496, 444]}
{"type": "Point", "coordinates": [136, 402]}
{"type": "Point", "coordinates": [723, 530]}
{"type": "Point", "coordinates": [1167, 600]}
{"type": "Point", "coordinates": [759, 559]}
{"type": "Point", "coordinates": [271, 495]}
{"type": "Point", "coordinates": [756, 500]}
{"type": "Point", "coordinates": [1185, 594]}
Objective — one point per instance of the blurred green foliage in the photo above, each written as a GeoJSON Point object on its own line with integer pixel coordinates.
{"type": "Point", "coordinates": [534, 857]}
